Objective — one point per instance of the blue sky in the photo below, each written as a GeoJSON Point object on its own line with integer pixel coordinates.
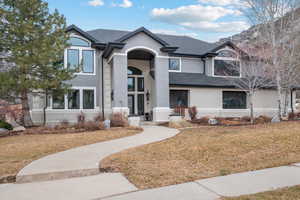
{"type": "Point", "coordinates": [207, 20]}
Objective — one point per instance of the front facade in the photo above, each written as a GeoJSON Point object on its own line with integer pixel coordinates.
{"type": "Point", "coordinates": [146, 74]}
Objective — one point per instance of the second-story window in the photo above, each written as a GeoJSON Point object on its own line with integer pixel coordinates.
{"type": "Point", "coordinates": [227, 64]}
{"type": "Point", "coordinates": [174, 64]}
{"type": "Point", "coordinates": [80, 54]}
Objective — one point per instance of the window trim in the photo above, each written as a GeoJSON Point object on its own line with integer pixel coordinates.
{"type": "Point", "coordinates": [67, 56]}
{"type": "Point", "coordinates": [180, 89]}
{"type": "Point", "coordinates": [226, 59]}
{"type": "Point", "coordinates": [80, 99]}
{"type": "Point", "coordinates": [180, 63]}
{"type": "Point", "coordinates": [81, 38]}
{"type": "Point", "coordinates": [93, 54]}
{"type": "Point", "coordinates": [80, 48]}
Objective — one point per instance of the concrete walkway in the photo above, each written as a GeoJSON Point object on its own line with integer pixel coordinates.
{"type": "Point", "coordinates": [114, 186]}
{"type": "Point", "coordinates": [84, 161]}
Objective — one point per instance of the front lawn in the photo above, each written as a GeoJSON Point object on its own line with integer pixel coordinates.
{"type": "Point", "coordinates": [18, 151]}
{"type": "Point", "coordinates": [291, 193]}
{"type": "Point", "coordinates": [207, 152]}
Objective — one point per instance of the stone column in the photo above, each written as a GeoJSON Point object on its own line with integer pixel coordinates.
{"type": "Point", "coordinates": [161, 110]}
{"type": "Point", "coordinates": [119, 84]}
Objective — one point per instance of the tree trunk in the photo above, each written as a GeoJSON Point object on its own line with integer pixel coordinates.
{"type": "Point", "coordinates": [45, 107]}
{"type": "Point", "coordinates": [251, 108]}
{"type": "Point", "coordinates": [26, 118]}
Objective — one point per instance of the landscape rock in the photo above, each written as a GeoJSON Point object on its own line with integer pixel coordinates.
{"type": "Point", "coordinates": [212, 121]}
{"type": "Point", "coordinates": [106, 124]}
{"type": "Point", "coordinates": [275, 119]}
{"type": "Point", "coordinates": [19, 128]}
{"type": "Point", "coordinates": [3, 130]}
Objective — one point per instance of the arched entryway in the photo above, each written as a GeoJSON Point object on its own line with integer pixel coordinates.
{"type": "Point", "coordinates": [140, 81]}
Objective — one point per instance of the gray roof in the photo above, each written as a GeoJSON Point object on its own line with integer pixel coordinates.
{"type": "Point", "coordinates": [198, 80]}
{"type": "Point", "coordinates": [186, 44]}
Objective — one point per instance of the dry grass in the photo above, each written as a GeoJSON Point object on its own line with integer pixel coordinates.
{"type": "Point", "coordinates": [18, 151]}
{"type": "Point", "coordinates": [292, 193]}
{"type": "Point", "coordinates": [207, 152]}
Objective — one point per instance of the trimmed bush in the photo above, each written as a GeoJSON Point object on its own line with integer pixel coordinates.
{"type": "Point", "coordinates": [5, 125]}
{"type": "Point", "coordinates": [118, 120]}
{"type": "Point", "coordinates": [193, 112]}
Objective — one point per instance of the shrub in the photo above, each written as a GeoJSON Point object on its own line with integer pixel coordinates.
{"type": "Point", "coordinates": [193, 112]}
{"type": "Point", "coordinates": [202, 120]}
{"type": "Point", "coordinates": [81, 118]}
{"type": "Point", "coordinates": [118, 120]}
{"type": "Point", "coordinates": [262, 119]}
{"type": "Point", "coordinates": [246, 119]}
{"type": "Point", "coordinates": [5, 125]}
{"type": "Point", "coordinates": [179, 110]}
{"type": "Point", "coordinates": [98, 118]}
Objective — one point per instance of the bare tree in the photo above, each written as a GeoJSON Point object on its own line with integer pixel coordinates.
{"type": "Point", "coordinates": [256, 73]}
{"type": "Point", "coordinates": [276, 20]}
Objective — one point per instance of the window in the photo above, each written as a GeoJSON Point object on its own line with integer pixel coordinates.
{"type": "Point", "coordinates": [74, 99]}
{"type": "Point", "coordinates": [178, 98]}
{"type": "Point", "coordinates": [134, 71]}
{"type": "Point", "coordinates": [73, 58]}
{"type": "Point", "coordinates": [58, 100]}
{"type": "Point", "coordinates": [227, 63]}
{"type": "Point", "coordinates": [88, 99]}
{"type": "Point", "coordinates": [131, 84]}
{"type": "Point", "coordinates": [174, 64]}
{"type": "Point", "coordinates": [234, 100]}
{"type": "Point", "coordinates": [227, 54]}
{"type": "Point", "coordinates": [227, 68]}
{"type": "Point", "coordinates": [74, 41]}
{"type": "Point", "coordinates": [141, 84]}
{"type": "Point", "coordinates": [88, 61]}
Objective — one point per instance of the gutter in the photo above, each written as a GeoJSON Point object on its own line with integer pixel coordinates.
{"type": "Point", "coordinates": [103, 113]}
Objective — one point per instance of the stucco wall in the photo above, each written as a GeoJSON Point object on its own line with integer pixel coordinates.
{"type": "Point", "coordinates": [192, 65]}
{"type": "Point", "coordinates": [209, 102]}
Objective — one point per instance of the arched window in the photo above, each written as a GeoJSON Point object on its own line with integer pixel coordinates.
{"type": "Point", "coordinates": [227, 54]}
{"type": "Point", "coordinates": [75, 41]}
{"type": "Point", "coordinates": [134, 71]}
{"type": "Point", "coordinates": [227, 63]}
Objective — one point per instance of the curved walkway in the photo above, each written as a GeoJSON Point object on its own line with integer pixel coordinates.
{"type": "Point", "coordinates": [84, 161]}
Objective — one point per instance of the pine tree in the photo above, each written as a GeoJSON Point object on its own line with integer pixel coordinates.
{"type": "Point", "coordinates": [35, 40]}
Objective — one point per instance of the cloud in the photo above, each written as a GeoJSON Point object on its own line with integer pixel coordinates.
{"type": "Point", "coordinates": [202, 18]}
{"type": "Point", "coordinates": [222, 2]}
{"type": "Point", "coordinates": [224, 27]}
{"type": "Point", "coordinates": [191, 13]}
{"type": "Point", "coordinates": [124, 4]}
{"type": "Point", "coordinates": [173, 32]}
{"type": "Point", "coordinates": [96, 3]}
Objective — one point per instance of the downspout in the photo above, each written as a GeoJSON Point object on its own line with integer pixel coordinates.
{"type": "Point", "coordinates": [103, 113]}
{"type": "Point", "coordinates": [204, 66]}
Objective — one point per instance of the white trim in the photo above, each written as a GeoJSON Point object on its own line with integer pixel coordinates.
{"type": "Point", "coordinates": [80, 100]}
{"type": "Point", "coordinates": [80, 49]}
{"type": "Point", "coordinates": [142, 48]}
{"type": "Point", "coordinates": [180, 63]}
{"type": "Point", "coordinates": [80, 37]}
{"type": "Point", "coordinates": [115, 54]}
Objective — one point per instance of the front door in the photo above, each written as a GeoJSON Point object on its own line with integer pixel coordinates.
{"type": "Point", "coordinates": [136, 94]}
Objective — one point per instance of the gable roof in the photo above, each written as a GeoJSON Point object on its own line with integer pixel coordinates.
{"type": "Point", "coordinates": [147, 32]}
{"type": "Point", "coordinates": [176, 44]}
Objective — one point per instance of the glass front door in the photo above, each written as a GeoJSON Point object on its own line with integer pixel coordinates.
{"type": "Point", "coordinates": [136, 95]}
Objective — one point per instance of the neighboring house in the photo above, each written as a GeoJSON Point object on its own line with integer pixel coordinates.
{"type": "Point", "coordinates": [142, 73]}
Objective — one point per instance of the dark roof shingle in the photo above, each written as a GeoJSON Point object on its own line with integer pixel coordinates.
{"type": "Point", "coordinates": [186, 44]}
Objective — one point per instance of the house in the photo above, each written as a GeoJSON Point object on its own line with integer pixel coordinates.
{"type": "Point", "coordinates": [142, 73]}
